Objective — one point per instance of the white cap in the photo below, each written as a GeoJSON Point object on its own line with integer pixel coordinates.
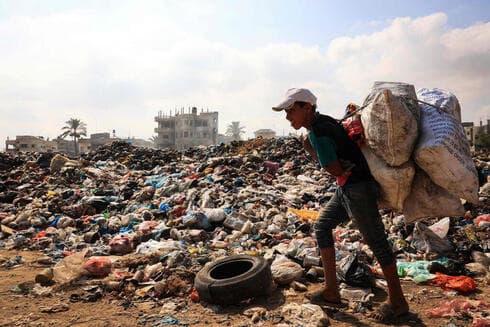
{"type": "Point", "coordinates": [296, 95]}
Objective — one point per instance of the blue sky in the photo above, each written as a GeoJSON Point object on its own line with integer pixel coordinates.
{"type": "Point", "coordinates": [115, 64]}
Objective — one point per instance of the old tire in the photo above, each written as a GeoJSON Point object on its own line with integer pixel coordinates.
{"type": "Point", "coordinates": [233, 279]}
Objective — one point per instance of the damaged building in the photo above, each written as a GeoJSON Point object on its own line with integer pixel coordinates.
{"type": "Point", "coordinates": [186, 129]}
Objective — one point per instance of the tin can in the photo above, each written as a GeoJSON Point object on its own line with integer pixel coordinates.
{"type": "Point", "coordinates": [310, 260]}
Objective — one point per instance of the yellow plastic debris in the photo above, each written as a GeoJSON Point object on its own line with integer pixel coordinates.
{"type": "Point", "coordinates": [304, 214]}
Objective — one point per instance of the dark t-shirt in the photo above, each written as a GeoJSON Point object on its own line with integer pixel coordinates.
{"type": "Point", "coordinates": [331, 142]}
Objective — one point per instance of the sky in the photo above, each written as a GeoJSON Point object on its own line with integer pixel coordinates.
{"type": "Point", "coordinates": [116, 64]}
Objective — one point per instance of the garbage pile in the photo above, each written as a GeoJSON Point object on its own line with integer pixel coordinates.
{"type": "Point", "coordinates": [141, 223]}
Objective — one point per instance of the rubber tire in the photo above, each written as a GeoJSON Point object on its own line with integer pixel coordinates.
{"type": "Point", "coordinates": [255, 281]}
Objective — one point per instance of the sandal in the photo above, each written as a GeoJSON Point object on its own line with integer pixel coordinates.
{"type": "Point", "coordinates": [317, 298]}
{"type": "Point", "coordinates": [385, 313]}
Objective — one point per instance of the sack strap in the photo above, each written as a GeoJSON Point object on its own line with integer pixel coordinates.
{"type": "Point", "coordinates": [439, 109]}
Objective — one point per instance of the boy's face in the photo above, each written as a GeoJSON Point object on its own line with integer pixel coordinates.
{"type": "Point", "coordinates": [297, 115]}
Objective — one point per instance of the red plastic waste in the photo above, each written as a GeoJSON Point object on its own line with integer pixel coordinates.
{"type": "Point", "coordinates": [353, 125]}
{"type": "Point", "coordinates": [98, 266]}
{"type": "Point", "coordinates": [462, 284]}
{"type": "Point", "coordinates": [480, 322]}
{"type": "Point", "coordinates": [121, 245]}
{"type": "Point", "coordinates": [39, 235]}
{"type": "Point", "coordinates": [483, 218]}
{"type": "Point", "coordinates": [456, 306]}
{"type": "Point", "coordinates": [195, 296]}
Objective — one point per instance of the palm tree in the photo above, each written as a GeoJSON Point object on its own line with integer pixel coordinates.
{"type": "Point", "coordinates": [154, 140]}
{"type": "Point", "coordinates": [235, 130]}
{"type": "Point", "coordinates": [74, 128]}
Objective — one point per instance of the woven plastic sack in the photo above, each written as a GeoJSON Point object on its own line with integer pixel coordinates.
{"type": "Point", "coordinates": [390, 127]}
{"type": "Point", "coordinates": [442, 150]}
{"type": "Point", "coordinates": [427, 199]}
{"type": "Point", "coordinates": [395, 182]}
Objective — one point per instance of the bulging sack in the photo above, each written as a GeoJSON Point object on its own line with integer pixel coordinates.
{"type": "Point", "coordinates": [403, 91]}
{"type": "Point", "coordinates": [395, 182]}
{"type": "Point", "coordinates": [427, 199]}
{"type": "Point", "coordinates": [390, 127]}
{"type": "Point", "coordinates": [442, 99]}
{"type": "Point", "coordinates": [442, 150]}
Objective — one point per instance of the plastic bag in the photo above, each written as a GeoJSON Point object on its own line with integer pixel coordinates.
{"type": "Point", "coordinates": [354, 272]}
{"type": "Point", "coordinates": [284, 271]}
{"type": "Point", "coordinates": [454, 307]}
{"type": "Point", "coordinates": [462, 284]}
{"type": "Point", "coordinates": [98, 266]}
{"type": "Point", "coordinates": [425, 240]}
{"type": "Point", "coordinates": [443, 151]}
{"type": "Point", "coordinates": [70, 268]}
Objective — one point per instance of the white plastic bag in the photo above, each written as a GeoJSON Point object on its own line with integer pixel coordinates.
{"type": "Point", "coordinates": [442, 150]}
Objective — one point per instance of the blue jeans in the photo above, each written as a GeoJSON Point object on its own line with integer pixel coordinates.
{"type": "Point", "coordinates": [359, 202]}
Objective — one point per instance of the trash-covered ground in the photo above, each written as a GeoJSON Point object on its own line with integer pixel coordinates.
{"type": "Point", "coordinates": [116, 238]}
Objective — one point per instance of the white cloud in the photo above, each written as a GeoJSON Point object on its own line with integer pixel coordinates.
{"type": "Point", "coordinates": [118, 71]}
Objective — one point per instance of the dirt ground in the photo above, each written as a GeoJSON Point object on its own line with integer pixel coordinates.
{"type": "Point", "coordinates": [57, 310]}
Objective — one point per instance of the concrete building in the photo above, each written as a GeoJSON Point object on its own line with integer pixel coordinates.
{"type": "Point", "coordinates": [265, 133]}
{"type": "Point", "coordinates": [28, 143]}
{"type": "Point", "coordinates": [184, 130]}
{"type": "Point", "coordinates": [138, 142]}
{"type": "Point", "coordinates": [473, 132]}
{"type": "Point", "coordinates": [99, 139]}
{"type": "Point", "coordinates": [469, 130]}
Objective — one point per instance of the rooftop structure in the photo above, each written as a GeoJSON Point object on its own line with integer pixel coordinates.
{"type": "Point", "coordinates": [186, 129]}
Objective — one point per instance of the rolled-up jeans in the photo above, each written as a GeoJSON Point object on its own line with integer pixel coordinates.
{"type": "Point", "coordinates": [357, 201]}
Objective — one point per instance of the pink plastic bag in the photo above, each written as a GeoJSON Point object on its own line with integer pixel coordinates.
{"type": "Point", "coordinates": [98, 266]}
{"type": "Point", "coordinates": [482, 219]}
{"type": "Point", "coordinates": [456, 306]}
{"type": "Point", "coordinates": [121, 245]}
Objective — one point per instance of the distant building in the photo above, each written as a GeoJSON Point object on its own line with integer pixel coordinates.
{"type": "Point", "coordinates": [28, 143]}
{"type": "Point", "coordinates": [222, 138]}
{"type": "Point", "coordinates": [469, 130]}
{"type": "Point", "coordinates": [265, 133]}
{"type": "Point", "coordinates": [138, 142]}
{"type": "Point", "coordinates": [473, 132]}
{"type": "Point", "coordinates": [100, 139]}
{"type": "Point", "coordinates": [184, 130]}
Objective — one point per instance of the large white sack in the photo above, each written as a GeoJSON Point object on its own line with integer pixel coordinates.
{"type": "Point", "coordinates": [395, 182]}
{"type": "Point", "coordinates": [443, 99]}
{"type": "Point", "coordinates": [442, 150]}
{"type": "Point", "coordinates": [390, 128]}
{"type": "Point", "coordinates": [405, 92]}
{"type": "Point", "coordinates": [427, 199]}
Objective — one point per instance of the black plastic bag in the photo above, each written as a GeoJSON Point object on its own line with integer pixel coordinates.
{"type": "Point", "coordinates": [354, 272]}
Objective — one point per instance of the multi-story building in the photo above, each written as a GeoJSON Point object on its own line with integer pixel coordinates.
{"type": "Point", "coordinates": [184, 130]}
{"type": "Point", "coordinates": [265, 133]}
{"type": "Point", "coordinates": [469, 130]}
{"type": "Point", "coordinates": [28, 143]}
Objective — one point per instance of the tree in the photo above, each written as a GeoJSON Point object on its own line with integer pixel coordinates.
{"type": "Point", "coordinates": [154, 140]}
{"type": "Point", "coordinates": [235, 130]}
{"type": "Point", "coordinates": [74, 128]}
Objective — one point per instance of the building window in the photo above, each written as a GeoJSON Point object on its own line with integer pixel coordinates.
{"type": "Point", "coordinates": [186, 134]}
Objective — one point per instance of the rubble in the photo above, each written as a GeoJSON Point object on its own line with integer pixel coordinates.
{"type": "Point", "coordinates": [141, 223]}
